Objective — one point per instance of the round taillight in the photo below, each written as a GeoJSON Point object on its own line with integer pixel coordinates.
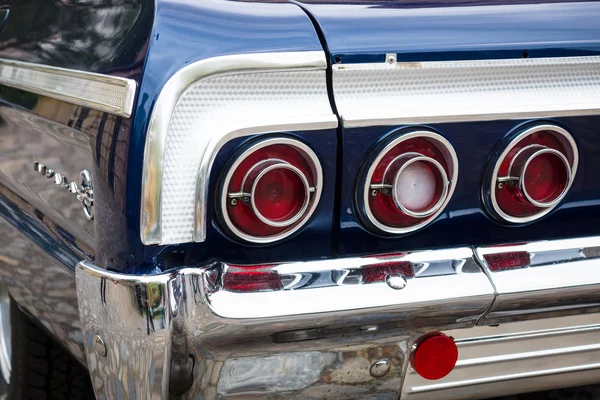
{"type": "Point", "coordinates": [408, 182]}
{"type": "Point", "coordinates": [271, 190]}
{"type": "Point", "coordinates": [434, 356]}
{"type": "Point", "coordinates": [533, 174]}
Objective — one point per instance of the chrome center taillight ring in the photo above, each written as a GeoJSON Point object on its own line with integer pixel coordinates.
{"type": "Point", "coordinates": [522, 161]}
{"type": "Point", "coordinates": [392, 178]}
{"type": "Point", "coordinates": [258, 172]}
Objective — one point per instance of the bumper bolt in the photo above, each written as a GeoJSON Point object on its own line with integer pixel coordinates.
{"type": "Point", "coordinates": [99, 346]}
{"type": "Point", "coordinates": [396, 281]}
{"type": "Point", "coordinates": [380, 368]}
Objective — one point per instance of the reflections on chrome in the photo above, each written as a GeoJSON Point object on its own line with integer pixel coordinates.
{"type": "Point", "coordinates": [185, 331]}
{"type": "Point", "coordinates": [542, 279]}
{"type": "Point", "coordinates": [532, 355]}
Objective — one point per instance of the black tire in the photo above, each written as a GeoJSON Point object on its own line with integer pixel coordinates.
{"type": "Point", "coordinates": [41, 369]}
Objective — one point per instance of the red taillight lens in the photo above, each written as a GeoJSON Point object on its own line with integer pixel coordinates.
{"type": "Point", "coordinates": [434, 356]}
{"type": "Point", "coordinates": [409, 182]}
{"type": "Point", "coordinates": [533, 173]}
{"type": "Point", "coordinates": [508, 260]}
{"type": "Point", "coordinates": [271, 190]}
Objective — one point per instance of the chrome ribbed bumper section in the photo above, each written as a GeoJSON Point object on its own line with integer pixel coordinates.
{"type": "Point", "coordinates": [317, 329]}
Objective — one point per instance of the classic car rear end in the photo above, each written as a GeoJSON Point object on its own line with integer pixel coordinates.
{"type": "Point", "coordinates": [300, 200]}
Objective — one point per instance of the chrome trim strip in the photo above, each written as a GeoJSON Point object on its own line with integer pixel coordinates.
{"type": "Point", "coordinates": [112, 94]}
{"type": "Point", "coordinates": [221, 132]}
{"type": "Point", "coordinates": [525, 353]}
{"type": "Point", "coordinates": [166, 317]}
{"type": "Point", "coordinates": [479, 90]}
{"type": "Point", "coordinates": [573, 160]}
{"type": "Point", "coordinates": [561, 278]}
{"type": "Point", "coordinates": [163, 319]}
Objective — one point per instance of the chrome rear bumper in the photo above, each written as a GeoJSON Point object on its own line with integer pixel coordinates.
{"type": "Point", "coordinates": [315, 329]}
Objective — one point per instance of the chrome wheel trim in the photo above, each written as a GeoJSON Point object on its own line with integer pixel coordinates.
{"type": "Point", "coordinates": [5, 338]}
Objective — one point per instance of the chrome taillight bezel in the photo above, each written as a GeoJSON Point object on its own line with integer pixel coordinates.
{"type": "Point", "coordinates": [298, 221]}
{"type": "Point", "coordinates": [364, 187]}
{"type": "Point", "coordinates": [490, 185]}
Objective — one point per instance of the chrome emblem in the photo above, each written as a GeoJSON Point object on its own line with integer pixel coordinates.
{"type": "Point", "coordinates": [83, 190]}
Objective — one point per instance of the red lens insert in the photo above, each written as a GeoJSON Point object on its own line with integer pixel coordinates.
{"type": "Point", "coordinates": [546, 177]}
{"type": "Point", "coordinates": [279, 194]}
{"type": "Point", "coordinates": [251, 278]}
{"type": "Point", "coordinates": [508, 260]}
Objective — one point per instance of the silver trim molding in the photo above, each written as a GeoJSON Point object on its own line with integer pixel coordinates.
{"type": "Point", "coordinates": [531, 355]}
{"type": "Point", "coordinates": [395, 93]}
{"type": "Point", "coordinates": [332, 318]}
{"type": "Point", "coordinates": [112, 94]}
{"type": "Point", "coordinates": [542, 279]}
{"type": "Point", "coordinates": [163, 319]}
{"type": "Point", "coordinates": [222, 119]}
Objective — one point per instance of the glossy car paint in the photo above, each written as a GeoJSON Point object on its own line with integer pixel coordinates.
{"type": "Point", "coordinates": [45, 232]}
{"type": "Point", "coordinates": [185, 32]}
{"type": "Point", "coordinates": [481, 30]}
{"type": "Point", "coordinates": [365, 33]}
{"type": "Point", "coordinates": [108, 37]}
{"type": "Point", "coordinates": [464, 221]}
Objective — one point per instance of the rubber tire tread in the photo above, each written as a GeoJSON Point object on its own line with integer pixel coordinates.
{"type": "Point", "coordinates": [42, 369]}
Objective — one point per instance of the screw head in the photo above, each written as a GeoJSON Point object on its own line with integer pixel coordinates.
{"type": "Point", "coordinates": [380, 368]}
{"type": "Point", "coordinates": [374, 192]}
{"type": "Point", "coordinates": [396, 281]}
{"type": "Point", "coordinates": [99, 346]}
{"type": "Point", "coordinates": [233, 202]}
{"type": "Point", "coordinates": [500, 185]}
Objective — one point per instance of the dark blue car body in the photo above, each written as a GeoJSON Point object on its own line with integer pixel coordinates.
{"type": "Point", "coordinates": [148, 42]}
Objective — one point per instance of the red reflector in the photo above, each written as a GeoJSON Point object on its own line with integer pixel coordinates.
{"type": "Point", "coordinates": [509, 260]}
{"type": "Point", "coordinates": [435, 356]}
{"type": "Point", "coordinates": [250, 279]}
{"type": "Point", "coordinates": [377, 272]}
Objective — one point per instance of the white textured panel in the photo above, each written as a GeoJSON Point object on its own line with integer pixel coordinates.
{"type": "Point", "coordinates": [106, 93]}
{"type": "Point", "coordinates": [425, 92]}
{"type": "Point", "coordinates": [215, 107]}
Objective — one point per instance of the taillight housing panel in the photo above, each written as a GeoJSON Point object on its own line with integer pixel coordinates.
{"type": "Point", "coordinates": [406, 182]}
{"type": "Point", "coordinates": [532, 174]}
{"type": "Point", "coordinates": [270, 190]}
